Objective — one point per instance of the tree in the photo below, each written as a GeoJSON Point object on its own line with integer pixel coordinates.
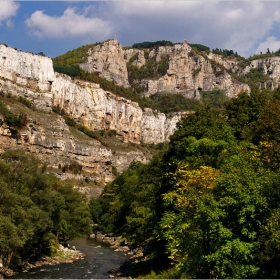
{"type": "Point", "coordinates": [34, 208]}
{"type": "Point", "coordinates": [214, 218]}
{"type": "Point", "coordinates": [244, 111]}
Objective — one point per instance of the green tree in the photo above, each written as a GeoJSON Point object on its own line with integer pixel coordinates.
{"type": "Point", "coordinates": [34, 208]}
{"type": "Point", "coordinates": [244, 111]}
{"type": "Point", "coordinates": [214, 218]}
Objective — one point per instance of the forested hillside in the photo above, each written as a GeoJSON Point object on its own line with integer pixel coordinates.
{"type": "Point", "coordinates": [37, 212]}
{"type": "Point", "coordinates": [205, 206]}
{"type": "Point", "coordinates": [210, 199]}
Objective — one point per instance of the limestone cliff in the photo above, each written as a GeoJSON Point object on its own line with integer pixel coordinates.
{"type": "Point", "coordinates": [270, 67]}
{"type": "Point", "coordinates": [46, 134]}
{"type": "Point", "coordinates": [86, 102]}
{"type": "Point", "coordinates": [140, 61]}
{"type": "Point", "coordinates": [189, 72]}
{"type": "Point", "coordinates": [107, 59]}
{"type": "Point", "coordinates": [157, 127]}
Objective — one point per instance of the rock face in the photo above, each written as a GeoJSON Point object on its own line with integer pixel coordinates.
{"type": "Point", "coordinates": [52, 141]}
{"type": "Point", "coordinates": [108, 60]}
{"type": "Point", "coordinates": [46, 134]}
{"type": "Point", "coordinates": [157, 127]}
{"type": "Point", "coordinates": [190, 73]}
{"type": "Point", "coordinates": [140, 61]}
{"type": "Point", "coordinates": [25, 69]}
{"type": "Point", "coordinates": [269, 66]}
{"type": "Point", "coordinates": [187, 72]}
{"type": "Point", "coordinates": [91, 106]}
{"type": "Point", "coordinates": [230, 63]}
{"type": "Point", "coordinates": [86, 102]}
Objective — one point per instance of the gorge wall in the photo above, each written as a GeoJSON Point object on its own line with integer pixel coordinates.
{"type": "Point", "coordinates": [188, 72]}
{"type": "Point", "coordinates": [107, 59]}
{"type": "Point", "coordinates": [269, 66]}
{"type": "Point", "coordinates": [32, 76]}
{"type": "Point", "coordinates": [46, 134]}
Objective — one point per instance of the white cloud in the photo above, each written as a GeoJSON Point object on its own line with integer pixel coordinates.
{"type": "Point", "coordinates": [270, 43]}
{"type": "Point", "coordinates": [70, 24]}
{"type": "Point", "coordinates": [237, 25]}
{"type": "Point", "coordinates": [8, 9]}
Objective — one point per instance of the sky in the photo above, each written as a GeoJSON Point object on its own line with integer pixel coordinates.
{"type": "Point", "coordinates": [55, 27]}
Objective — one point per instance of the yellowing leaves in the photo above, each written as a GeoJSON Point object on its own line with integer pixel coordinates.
{"type": "Point", "coordinates": [202, 178]}
{"type": "Point", "coordinates": [194, 182]}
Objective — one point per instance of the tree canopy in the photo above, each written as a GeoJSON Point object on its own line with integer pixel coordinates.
{"type": "Point", "coordinates": [36, 210]}
{"type": "Point", "coordinates": [210, 198]}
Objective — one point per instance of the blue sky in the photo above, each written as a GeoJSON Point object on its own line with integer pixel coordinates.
{"type": "Point", "coordinates": [54, 27]}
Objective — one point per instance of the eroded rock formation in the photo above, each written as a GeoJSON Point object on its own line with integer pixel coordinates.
{"type": "Point", "coordinates": [108, 60]}
{"type": "Point", "coordinates": [190, 73]}
{"type": "Point", "coordinates": [46, 134]}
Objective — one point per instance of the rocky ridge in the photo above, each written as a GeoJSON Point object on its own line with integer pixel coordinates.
{"type": "Point", "coordinates": [269, 66]}
{"type": "Point", "coordinates": [85, 102]}
{"type": "Point", "coordinates": [32, 77]}
{"type": "Point", "coordinates": [46, 134]}
{"type": "Point", "coordinates": [107, 59]}
{"type": "Point", "coordinates": [189, 72]}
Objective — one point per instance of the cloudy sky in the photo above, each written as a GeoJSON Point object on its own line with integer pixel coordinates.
{"type": "Point", "coordinates": [54, 27]}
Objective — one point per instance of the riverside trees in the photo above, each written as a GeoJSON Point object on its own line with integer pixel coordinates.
{"type": "Point", "coordinates": [212, 196]}
{"type": "Point", "coordinates": [36, 210]}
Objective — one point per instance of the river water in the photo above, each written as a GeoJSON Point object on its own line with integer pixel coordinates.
{"type": "Point", "coordinates": [97, 263]}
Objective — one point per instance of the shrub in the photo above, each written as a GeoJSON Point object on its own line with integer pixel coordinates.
{"type": "Point", "coordinates": [115, 171]}
{"type": "Point", "coordinates": [25, 102]}
{"type": "Point", "coordinates": [14, 120]}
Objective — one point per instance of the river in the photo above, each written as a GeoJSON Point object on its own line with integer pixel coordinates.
{"type": "Point", "coordinates": [97, 263]}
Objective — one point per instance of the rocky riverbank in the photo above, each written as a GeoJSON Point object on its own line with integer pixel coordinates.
{"type": "Point", "coordinates": [64, 255]}
{"type": "Point", "coordinates": [120, 245]}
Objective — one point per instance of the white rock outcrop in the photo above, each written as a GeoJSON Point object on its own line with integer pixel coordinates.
{"type": "Point", "coordinates": [140, 57]}
{"type": "Point", "coordinates": [189, 73]}
{"type": "Point", "coordinates": [86, 102]}
{"type": "Point", "coordinates": [108, 60]}
{"type": "Point", "coordinates": [26, 69]}
{"type": "Point", "coordinates": [269, 66]}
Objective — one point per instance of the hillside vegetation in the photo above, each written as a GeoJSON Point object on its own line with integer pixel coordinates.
{"type": "Point", "coordinates": [209, 201]}
{"type": "Point", "coordinates": [163, 102]}
{"type": "Point", "coordinates": [206, 206]}
{"type": "Point", "coordinates": [36, 210]}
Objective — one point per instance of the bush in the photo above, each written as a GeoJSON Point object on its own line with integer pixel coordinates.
{"type": "Point", "coordinates": [115, 171]}
{"type": "Point", "coordinates": [200, 47]}
{"type": "Point", "coordinates": [14, 120]}
{"type": "Point", "coordinates": [152, 44]}
{"type": "Point", "coordinates": [69, 121]}
{"type": "Point", "coordinates": [25, 102]}
{"type": "Point", "coordinates": [71, 70]}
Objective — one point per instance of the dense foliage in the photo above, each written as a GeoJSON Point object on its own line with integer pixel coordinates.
{"type": "Point", "coordinates": [200, 47]}
{"type": "Point", "coordinates": [71, 70]}
{"type": "Point", "coordinates": [36, 210]}
{"type": "Point", "coordinates": [210, 197]}
{"type": "Point", "coordinates": [14, 120]}
{"type": "Point", "coordinates": [75, 56]}
{"type": "Point", "coordinates": [148, 45]}
{"type": "Point", "coordinates": [226, 53]}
